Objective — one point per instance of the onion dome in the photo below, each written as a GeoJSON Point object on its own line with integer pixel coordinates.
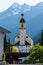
{"type": "Point", "coordinates": [22, 19]}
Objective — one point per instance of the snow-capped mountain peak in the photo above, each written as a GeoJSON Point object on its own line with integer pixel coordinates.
{"type": "Point", "coordinates": [15, 9]}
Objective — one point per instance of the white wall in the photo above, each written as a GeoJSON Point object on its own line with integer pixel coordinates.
{"type": "Point", "coordinates": [16, 39]}
{"type": "Point", "coordinates": [22, 36]}
{"type": "Point", "coordinates": [1, 45]}
{"type": "Point", "coordinates": [29, 39]}
{"type": "Point", "coordinates": [24, 48]}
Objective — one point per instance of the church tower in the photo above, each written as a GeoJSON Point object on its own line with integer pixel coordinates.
{"type": "Point", "coordinates": [22, 40]}
{"type": "Point", "coordinates": [22, 30]}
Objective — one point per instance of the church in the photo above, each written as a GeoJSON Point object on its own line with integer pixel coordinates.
{"type": "Point", "coordinates": [23, 42]}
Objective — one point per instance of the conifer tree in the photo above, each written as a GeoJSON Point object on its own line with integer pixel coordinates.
{"type": "Point", "coordinates": [42, 37]}
{"type": "Point", "coordinates": [5, 43]}
{"type": "Point", "coordinates": [9, 40]}
{"type": "Point", "coordinates": [8, 45]}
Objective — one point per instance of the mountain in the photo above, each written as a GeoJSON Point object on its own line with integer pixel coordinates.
{"type": "Point", "coordinates": [33, 16]}
{"type": "Point", "coordinates": [14, 9]}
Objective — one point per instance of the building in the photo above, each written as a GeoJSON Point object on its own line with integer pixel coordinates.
{"type": "Point", "coordinates": [23, 41]}
{"type": "Point", "coordinates": [3, 31]}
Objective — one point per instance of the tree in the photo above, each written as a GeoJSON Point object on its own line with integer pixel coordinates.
{"type": "Point", "coordinates": [37, 52]}
{"type": "Point", "coordinates": [4, 57]}
{"type": "Point", "coordinates": [5, 43]}
{"type": "Point", "coordinates": [42, 37]}
{"type": "Point", "coordinates": [8, 46]}
{"type": "Point", "coordinates": [36, 55]}
{"type": "Point", "coordinates": [15, 49]}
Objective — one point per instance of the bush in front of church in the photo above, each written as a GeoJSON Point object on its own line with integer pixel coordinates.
{"type": "Point", "coordinates": [15, 49]}
{"type": "Point", "coordinates": [37, 53]}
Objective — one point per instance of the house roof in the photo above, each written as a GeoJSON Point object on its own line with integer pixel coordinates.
{"type": "Point", "coordinates": [18, 43]}
{"type": "Point", "coordinates": [3, 30]}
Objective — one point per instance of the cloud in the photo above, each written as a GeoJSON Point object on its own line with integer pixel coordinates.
{"type": "Point", "coordinates": [30, 2]}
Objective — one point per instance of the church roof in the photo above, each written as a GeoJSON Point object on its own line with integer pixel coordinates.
{"type": "Point", "coordinates": [18, 43]}
{"type": "Point", "coordinates": [22, 19]}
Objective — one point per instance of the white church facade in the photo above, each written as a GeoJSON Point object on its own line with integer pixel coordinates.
{"type": "Point", "coordinates": [23, 42]}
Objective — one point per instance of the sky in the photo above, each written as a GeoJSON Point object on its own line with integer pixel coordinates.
{"type": "Point", "coordinates": [5, 4]}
